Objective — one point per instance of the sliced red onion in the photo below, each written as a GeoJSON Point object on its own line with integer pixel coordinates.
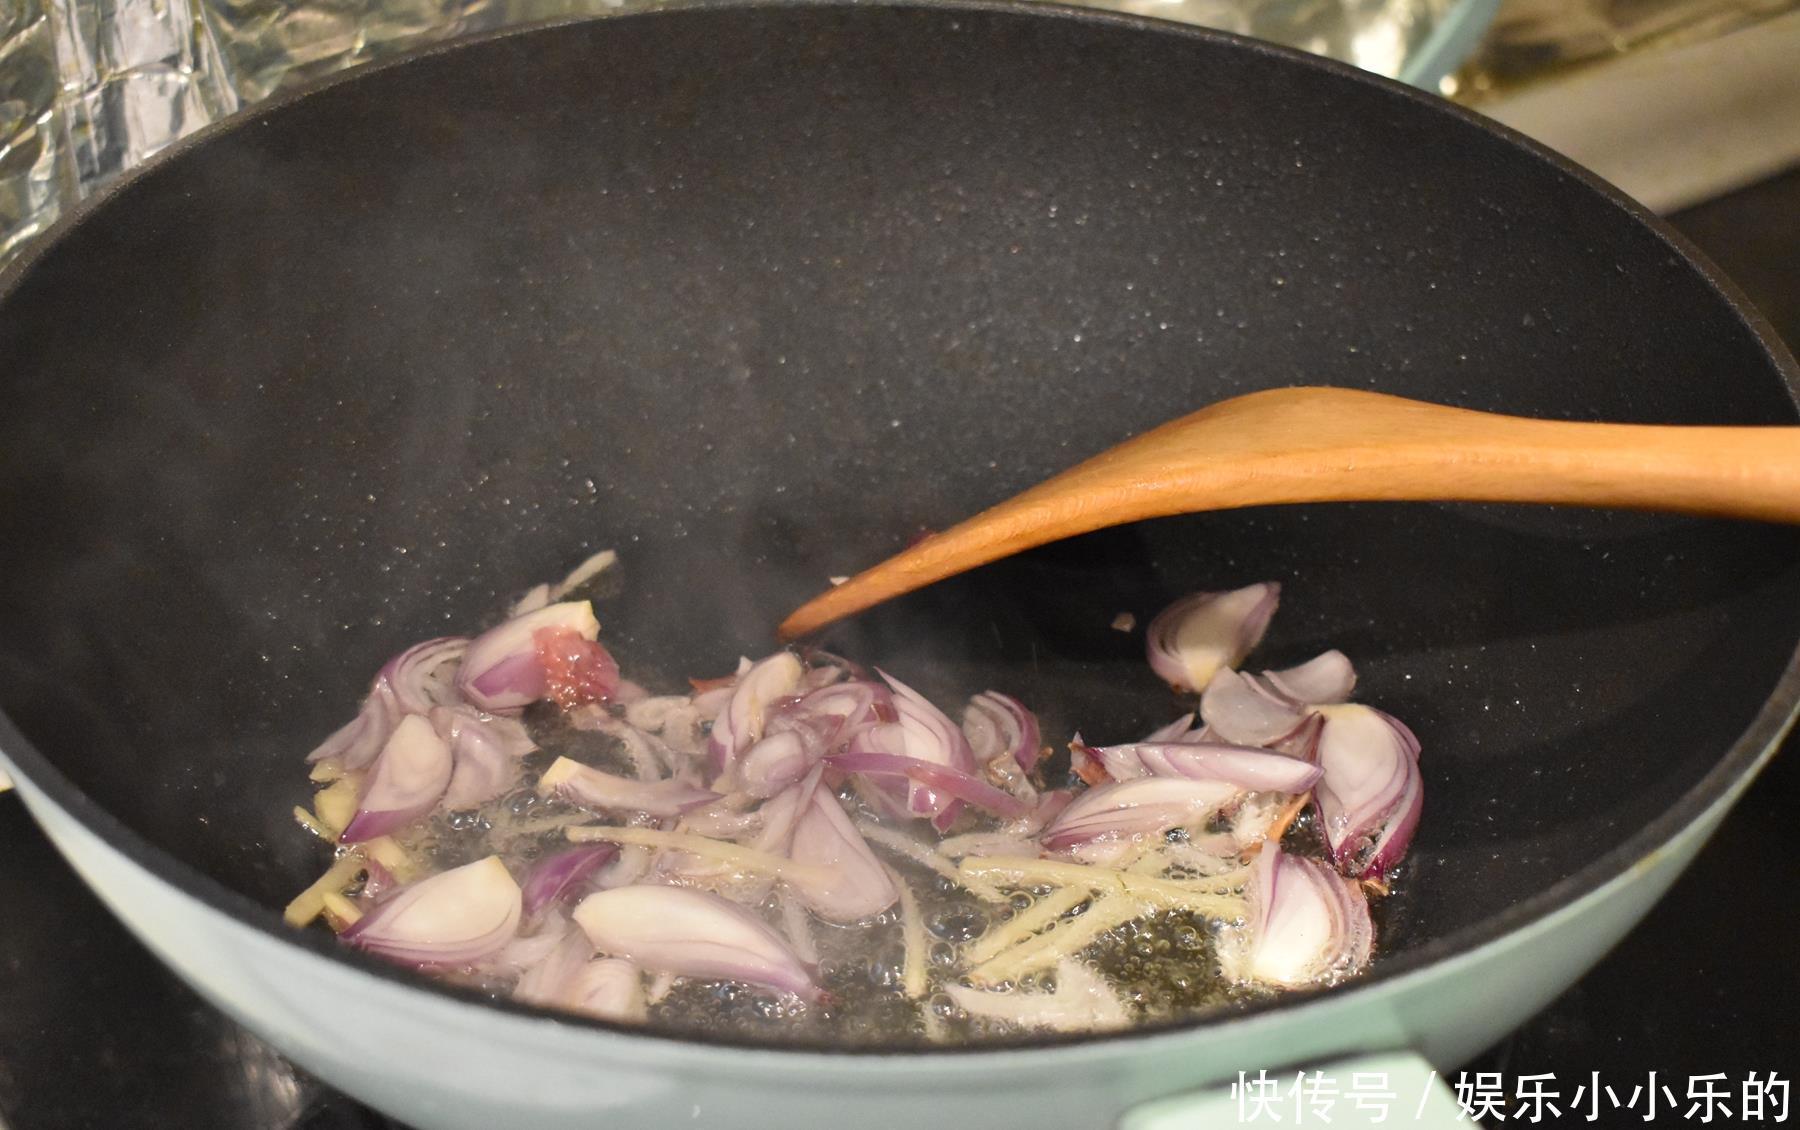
{"type": "Point", "coordinates": [502, 669]}
{"type": "Point", "coordinates": [945, 782]}
{"type": "Point", "coordinates": [859, 887]}
{"type": "Point", "coordinates": [1201, 634]}
{"type": "Point", "coordinates": [554, 876]}
{"type": "Point", "coordinates": [590, 788]}
{"type": "Point", "coordinates": [741, 722]}
{"type": "Point", "coordinates": [422, 676]}
{"type": "Point", "coordinates": [1306, 924]}
{"type": "Point", "coordinates": [1327, 677]}
{"type": "Point", "coordinates": [454, 918]}
{"type": "Point", "coordinates": [610, 988]}
{"type": "Point", "coordinates": [356, 743]}
{"type": "Point", "coordinates": [526, 951]}
{"type": "Point", "coordinates": [1255, 770]}
{"type": "Point", "coordinates": [692, 934]}
{"type": "Point", "coordinates": [837, 712]}
{"type": "Point", "coordinates": [1303, 741]}
{"type": "Point", "coordinates": [544, 980]}
{"type": "Point", "coordinates": [780, 812]}
{"type": "Point", "coordinates": [1146, 807]}
{"type": "Point", "coordinates": [485, 750]}
{"type": "Point", "coordinates": [1242, 710]}
{"type": "Point", "coordinates": [1005, 727]}
{"type": "Point", "coordinates": [1175, 731]}
{"type": "Point", "coordinates": [932, 737]}
{"type": "Point", "coordinates": [1371, 792]}
{"type": "Point", "coordinates": [776, 762]}
{"type": "Point", "coordinates": [406, 781]}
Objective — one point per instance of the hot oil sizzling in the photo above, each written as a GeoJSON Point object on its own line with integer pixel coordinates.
{"type": "Point", "coordinates": [1163, 966]}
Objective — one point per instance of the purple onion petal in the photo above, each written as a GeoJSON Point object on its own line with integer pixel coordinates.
{"type": "Point", "coordinates": [1149, 806]}
{"type": "Point", "coordinates": [692, 934]}
{"type": "Point", "coordinates": [943, 784]}
{"type": "Point", "coordinates": [418, 674]}
{"type": "Point", "coordinates": [485, 750]}
{"type": "Point", "coordinates": [740, 723]}
{"type": "Point", "coordinates": [775, 762]}
{"type": "Point", "coordinates": [930, 736]}
{"type": "Point", "coordinates": [1004, 723]}
{"type": "Point", "coordinates": [1239, 709]}
{"type": "Point", "coordinates": [1201, 634]}
{"type": "Point", "coordinates": [1306, 923]}
{"type": "Point", "coordinates": [555, 876]}
{"type": "Point", "coordinates": [1325, 678]}
{"type": "Point", "coordinates": [859, 886]}
{"type": "Point", "coordinates": [451, 919]}
{"type": "Point", "coordinates": [1370, 795]}
{"type": "Point", "coordinates": [406, 781]}
{"type": "Point", "coordinates": [1256, 770]}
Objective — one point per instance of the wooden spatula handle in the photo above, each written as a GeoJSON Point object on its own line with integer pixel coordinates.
{"type": "Point", "coordinates": [1341, 445]}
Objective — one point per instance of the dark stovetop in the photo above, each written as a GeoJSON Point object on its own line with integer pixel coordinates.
{"type": "Point", "coordinates": [94, 1032]}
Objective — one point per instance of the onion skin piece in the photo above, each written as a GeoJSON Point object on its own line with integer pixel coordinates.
{"type": "Point", "coordinates": [554, 876]}
{"type": "Point", "coordinates": [1198, 635]}
{"type": "Point", "coordinates": [1149, 806]}
{"type": "Point", "coordinates": [693, 934]}
{"type": "Point", "coordinates": [452, 919]}
{"type": "Point", "coordinates": [501, 670]}
{"type": "Point", "coordinates": [860, 887]}
{"type": "Point", "coordinates": [407, 779]}
{"type": "Point", "coordinates": [1254, 769]}
{"type": "Point", "coordinates": [591, 788]}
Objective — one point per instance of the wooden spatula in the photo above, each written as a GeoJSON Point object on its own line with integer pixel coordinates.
{"type": "Point", "coordinates": [1340, 445]}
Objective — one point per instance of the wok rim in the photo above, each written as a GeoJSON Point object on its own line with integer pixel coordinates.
{"type": "Point", "coordinates": [1739, 761]}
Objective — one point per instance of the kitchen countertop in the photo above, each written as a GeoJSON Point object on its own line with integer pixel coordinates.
{"type": "Point", "coordinates": [95, 1033]}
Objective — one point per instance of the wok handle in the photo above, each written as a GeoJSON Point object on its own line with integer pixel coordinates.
{"type": "Point", "coordinates": [1387, 1089]}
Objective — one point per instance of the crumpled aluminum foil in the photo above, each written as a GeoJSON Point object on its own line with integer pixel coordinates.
{"type": "Point", "coordinates": [89, 88]}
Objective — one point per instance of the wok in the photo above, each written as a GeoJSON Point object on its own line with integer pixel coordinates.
{"type": "Point", "coordinates": [752, 294]}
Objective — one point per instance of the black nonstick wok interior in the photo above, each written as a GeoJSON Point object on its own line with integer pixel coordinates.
{"type": "Point", "coordinates": [753, 296]}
